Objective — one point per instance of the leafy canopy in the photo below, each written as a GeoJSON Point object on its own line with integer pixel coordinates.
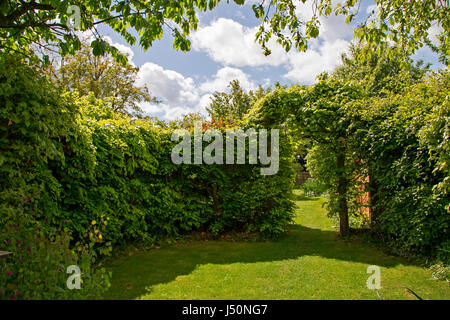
{"type": "Point", "coordinates": [406, 23]}
{"type": "Point", "coordinates": [379, 73]}
{"type": "Point", "coordinates": [29, 22]}
{"type": "Point", "coordinates": [233, 105]}
{"type": "Point", "coordinates": [107, 79]}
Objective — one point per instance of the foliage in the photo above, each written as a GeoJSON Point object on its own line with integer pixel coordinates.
{"type": "Point", "coordinates": [403, 141]}
{"type": "Point", "coordinates": [434, 136]}
{"type": "Point", "coordinates": [37, 267]}
{"type": "Point", "coordinates": [235, 104]}
{"type": "Point", "coordinates": [190, 118]}
{"type": "Point", "coordinates": [108, 80]}
{"type": "Point", "coordinates": [405, 23]}
{"type": "Point", "coordinates": [312, 187]}
{"type": "Point", "coordinates": [37, 124]}
{"type": "Point", "coordinates": [32, 22]}
{"type": "Point", "coordinates": [319, 113]}
{"type": "Point", "coordinates": [111, 177]}
{"type": "Point", "coordinates": [379, 73]}
{"type": "Point", "coordinates": [298, 170]}
{"type": "Point", "coordinates": [398, 140]}
{"type": "Point", "coordinates": [442, 49]}
{"type": "Point", "coordinates": [145, 195]}
{"type": "Point", "coordinates": [89, 178]}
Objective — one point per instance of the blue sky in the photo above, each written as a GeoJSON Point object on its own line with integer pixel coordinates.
{"type": "Point", "coordinates": [223, 49]}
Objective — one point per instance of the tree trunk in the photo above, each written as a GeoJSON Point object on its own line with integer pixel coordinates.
{"type": "Point", "coordinates": [344, 228]}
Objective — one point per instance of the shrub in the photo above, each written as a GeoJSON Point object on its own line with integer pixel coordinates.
{"type": "Point", "coordinates": [312, 187]}
{"type": "Point", "coordinates": [406, 148]}
{"type": "Point", "coordinates": [37, 267]}
{"type": "Point", "coordinates": [111, 178]}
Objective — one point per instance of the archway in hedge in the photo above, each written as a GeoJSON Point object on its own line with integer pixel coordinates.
{"type": "Point", "coordinates": [322, 113]}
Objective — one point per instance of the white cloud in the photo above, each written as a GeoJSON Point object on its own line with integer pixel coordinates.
{"type": "Point", "coordinates": [224, 76]}
{"type": "Point", "coordinates": [181, 95]}
{"type": "Point", "coordinates": [304, 67]}
{"type": "Point", "coordinates": [433, 32]}
{"type": "Point", "coordinates": [205, 100]}
{"type": "Point", "coordinates": [229, 42]}
{"type": "Point", "coordinates": [232, 44]}
{"type": "Point", "coordinates": [334, 28]}
{"type": "Point", "coordinates": [168, 112]}
{"type": "Point", "coordinates": [172, 87]}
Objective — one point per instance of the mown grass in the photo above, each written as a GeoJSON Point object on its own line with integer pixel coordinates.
{"type": "Point", "coordinates": [310, 262]}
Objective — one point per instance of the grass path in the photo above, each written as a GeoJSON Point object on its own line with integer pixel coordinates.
{"type": "Point", "coordinates": [310, 262]}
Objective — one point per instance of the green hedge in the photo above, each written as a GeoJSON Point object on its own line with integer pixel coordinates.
{"type": "Point", "coordinates": [407, 150]}
{"type": "Point", "coordinates": [77, 178]}
{"type": "Point", "coordinates": [36, 128]}
{"type": "Point", "coordinates": [104, 177]}
{"type": "Point", "coordinates": [400, 141]}
{"type": "Point", "coordinates": [143, 194]}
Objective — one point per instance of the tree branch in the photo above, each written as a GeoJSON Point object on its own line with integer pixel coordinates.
{"type": "Point", "coordinates": [9, 20]}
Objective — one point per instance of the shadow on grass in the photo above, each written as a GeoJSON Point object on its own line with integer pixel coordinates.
{"type": "Point", "coordinates": [133, 276]}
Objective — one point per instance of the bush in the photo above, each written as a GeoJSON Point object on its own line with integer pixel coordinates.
{"type": "Point", "coordinates": [312, 187]}
{"type": "Point", "coordinates": [111, 178]}
{"type": "Point", "coordinates": [406, 149]}
{"type": "Point", "coordinates": [37, 267]}
{"type": "Point", "coordinates": [89, 178]}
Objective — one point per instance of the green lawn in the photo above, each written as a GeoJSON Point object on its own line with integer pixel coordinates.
{"type": "Point", "coordinates": [310, 262]}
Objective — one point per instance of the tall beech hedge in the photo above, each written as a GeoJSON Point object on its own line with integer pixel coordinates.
{"type": "Point", "coordinates": [71, 163]}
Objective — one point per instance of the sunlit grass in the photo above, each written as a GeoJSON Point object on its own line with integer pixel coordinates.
{"type": "Point", "coordinates": [310, 262]}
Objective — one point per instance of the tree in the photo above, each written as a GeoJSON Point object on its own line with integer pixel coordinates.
{"type": "Point", "coordinates": [190, 118]}
{"type": "Point", "coordinates": [324, 120]}
{"type": "Point", "coordinates": [107, 79]}
{"type": "Point", "coordinates": [406, 23]}
{"type": "Point", "coordinates": [23, 23]}
{"type": "Point", "coordinates": [403, 139]}
{"type": "Point", "coordinates": [319, 113]}
{"type": "Point", "coordinates": [235, 104]}
{"type": "Point", "coordinates": [380, 76]}
{"type": "Point", "coordinates": [442, 49]}
{"type": "Point", "coordinates": [379, 72]}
